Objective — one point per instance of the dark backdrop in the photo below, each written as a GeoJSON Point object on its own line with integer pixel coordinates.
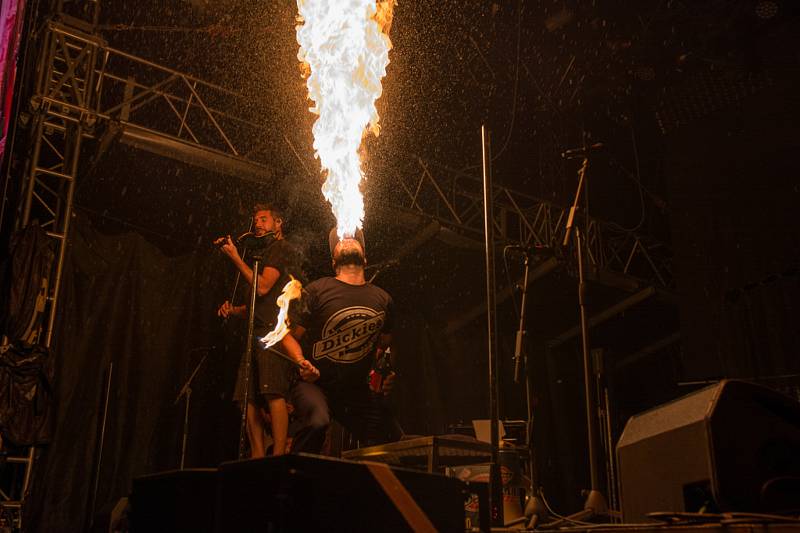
{"type": "Point", "coordinates": [735, 200]}
{"type": "Point", "coordinates": [123, 303]}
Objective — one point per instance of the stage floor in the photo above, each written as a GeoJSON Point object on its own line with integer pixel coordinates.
{"type": "Point", "coordinates": [726, 527]}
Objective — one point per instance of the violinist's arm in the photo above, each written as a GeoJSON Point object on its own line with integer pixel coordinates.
{"type": "Point", "coordinates": [266, 279]}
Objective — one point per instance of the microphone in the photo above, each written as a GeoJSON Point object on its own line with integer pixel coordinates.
{"type": "Point", "coordinates": [248, 240]}
{"type": "Point", "coordinates": [583, 151]}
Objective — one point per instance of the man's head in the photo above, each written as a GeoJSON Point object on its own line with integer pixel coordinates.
{"type": "Point", "coordinates": [266, 218]}
{"type": "Point", "coordinates": [347, 251]}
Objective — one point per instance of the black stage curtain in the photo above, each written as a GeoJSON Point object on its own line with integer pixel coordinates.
{"type": "Point", "coordinates": [737, 242]}
{"type": "Point", "coordinates": [123, 301]}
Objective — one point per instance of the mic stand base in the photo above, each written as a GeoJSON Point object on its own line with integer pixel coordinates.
{"type": "Point", "coordinates": [535, 512]}
{"type": "Point", "coordinates": [186, 391]}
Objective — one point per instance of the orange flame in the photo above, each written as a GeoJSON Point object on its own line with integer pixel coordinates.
{"type": "Point", "coordinates": [291, 291]}
{"type": "Point", "coordinates": [344, 49]}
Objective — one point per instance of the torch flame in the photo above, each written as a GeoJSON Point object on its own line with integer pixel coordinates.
{"type": "Point", "coordinates": [291, 291]}
{"type": "Point", "coordinates": [344, 50]}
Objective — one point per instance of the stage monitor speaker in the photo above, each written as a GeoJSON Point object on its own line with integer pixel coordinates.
{"type": "Point", "coordinates": [727, 447]}
{"type": "Point", "coordinates": [301, 493]}
{"type": "Point", "coordinates": [178, 501]}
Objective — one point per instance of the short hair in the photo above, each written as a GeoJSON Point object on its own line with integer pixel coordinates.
{"type": "Point", "coordinates": [277, 212]}
{"type": "Point", "coordinates": [333, 239]}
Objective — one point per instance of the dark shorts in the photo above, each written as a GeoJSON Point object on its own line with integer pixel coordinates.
{"type": "Point", "coordinates": [368, 417]}
{"type": "Point", "coordinates": [270, 375]}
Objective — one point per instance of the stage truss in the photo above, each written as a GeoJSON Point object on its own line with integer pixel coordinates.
{"type": "Point", "coordinates": [455, 200]}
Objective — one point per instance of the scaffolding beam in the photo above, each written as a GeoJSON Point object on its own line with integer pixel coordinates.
{"type": "Point", "coordinates": [454, 199]}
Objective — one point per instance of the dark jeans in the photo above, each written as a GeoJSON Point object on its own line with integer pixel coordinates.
{"type": "Point", "coordinates": [362, 413]}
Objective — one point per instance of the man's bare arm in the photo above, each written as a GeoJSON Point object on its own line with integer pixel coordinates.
{"type": "Point", "coordinates": [266, 279]}
{"type": "Point", "coordinates": [289, 342]}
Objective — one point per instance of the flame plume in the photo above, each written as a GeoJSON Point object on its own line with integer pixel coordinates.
{"type": "Point", "coordinates": [344, 51]}
{"type": "Point", "coordinates": [291, 291]}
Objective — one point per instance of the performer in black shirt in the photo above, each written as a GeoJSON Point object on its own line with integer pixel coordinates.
{"type": "Point", "coordinates": [270, 377]}
{"type": "Point", "coordinates": [344, 324]}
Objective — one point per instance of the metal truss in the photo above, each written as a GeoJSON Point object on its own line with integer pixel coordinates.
{"type": "Point", "coordinates": [455, 200]}
{"type": "Point", "coordinates": [83, 86]}
{"type": "Point", "coordinates": [79, 13]}
{"type": "Point", "coordinates": [83, 77]}
{"type": "Point", "coordinates": [12, 495]}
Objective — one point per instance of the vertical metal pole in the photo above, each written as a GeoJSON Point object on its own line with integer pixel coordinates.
{"type": "Point", "coordinates": [595, 501]}
{"type": "Point", "coordinates": [67, 209]}
{"type": "Point", "coordinates": [34, 165]}
{"type": "Point", "coordinates": [495, 483]}
{"type": "Point", "coordinates": [612, 466]}
{"type": "Point", "coordinates": [185, 426]}
{"type": "Point", "coordinates": [591, 422]}
{"type": "Point", "coordinates": [99, 463]}
{"type": "Point", "coordinates": [248, 353]}
{"type": "Point", "coordinates": [519, 345]}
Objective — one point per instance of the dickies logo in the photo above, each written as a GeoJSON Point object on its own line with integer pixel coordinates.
{"type": "Point", "coordinates": [349, 334]}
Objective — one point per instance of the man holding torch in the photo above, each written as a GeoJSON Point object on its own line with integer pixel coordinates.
{"type": "Point", "coordinates": [343, 327]}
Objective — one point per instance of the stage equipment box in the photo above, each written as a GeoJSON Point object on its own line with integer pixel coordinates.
{"type": "Point", "coordinates": [733, 446]}
{"type": "Point", "coordinates": [426, 453]}
{"type": "Point", "coordinates": [312, 493]}
{"type": "Point", "coordinates": [174, 501]}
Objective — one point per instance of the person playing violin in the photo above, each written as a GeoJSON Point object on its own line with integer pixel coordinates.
{"type": "Point", "coordinates": [270, 377]}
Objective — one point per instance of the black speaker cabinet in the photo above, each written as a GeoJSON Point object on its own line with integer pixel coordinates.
{"type": "Point", "coordinates": [301, 493]}
{"type": "Point", "coordinates": [176, 501]}
{"type": "Point", "coordinates": [728, 447]}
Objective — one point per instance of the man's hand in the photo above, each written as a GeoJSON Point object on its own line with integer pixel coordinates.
{"type": "Point", "coordinates": [388, 383]}
{"type": "Point", "coordinates": [308, 372]}
{"type": "Point", "coordinates": [227, 309]}
{"type": "Point", "coordinates": [229, 249]}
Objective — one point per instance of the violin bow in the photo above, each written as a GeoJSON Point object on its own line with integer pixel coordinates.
{"type": "Point", "coordinates": [239, 274]}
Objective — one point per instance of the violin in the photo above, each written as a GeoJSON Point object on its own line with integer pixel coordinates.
{"type": "Point", "coordinates": [249, 240]}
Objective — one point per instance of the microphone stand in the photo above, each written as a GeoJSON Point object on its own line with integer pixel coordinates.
{"type": "Point", "coordinates": [595, 504]}
{"type": "Point", "coordinates": [520, 339]}
{"type": "Point", "coordinates": [535, 509]}
{"type": "Point", "coordinates": [186, 390]}
{"type": "Point", "coordinates": [380, 267]}
{"type": "Point", "coordinates": [248, 351]}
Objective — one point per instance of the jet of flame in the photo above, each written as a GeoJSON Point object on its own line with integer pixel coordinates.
{"type": "Point", "coordinates": [344, 50]}
{"type": "Point", "coordinates": [291, 291]}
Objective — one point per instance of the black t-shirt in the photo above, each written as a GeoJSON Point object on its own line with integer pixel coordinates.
{"type": "Point", "coordinates": [343, 323]}
{"type": "Point", "coordinates": [281, 256]}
